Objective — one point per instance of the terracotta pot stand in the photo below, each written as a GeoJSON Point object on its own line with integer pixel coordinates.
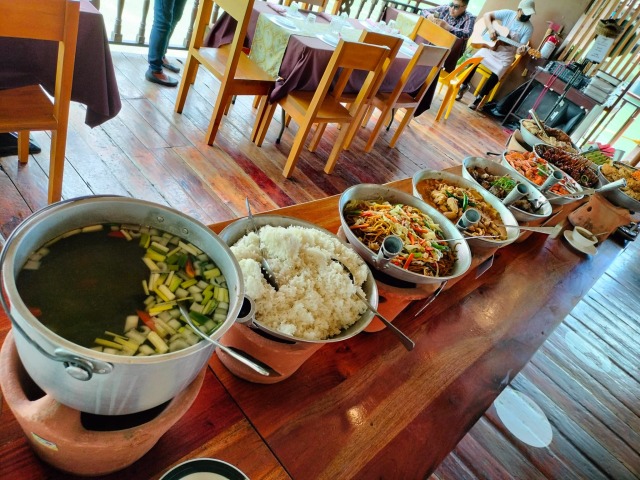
{"type": "Point", "coordinates": [57, 434]}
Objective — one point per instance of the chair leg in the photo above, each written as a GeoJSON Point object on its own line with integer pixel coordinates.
{"type": "Point", "coordinates": [222, 102]}
{"type": "Point", "coordinates": [23, 146]}
{"type": "Point", "coordinates": [337, 149]}
{"type": "Point", "coordinates": [354, 125]}
{"type": "Point", "coordinates": [228, 106]}
{"type": "Point", "coordinates": [367, 116]}
{"type": "Point", "coordinates": [262, 106]}
{"type": "Point", "coordinates": [408, 116]}
{"type": "Point", "coordinates": [282, 125]}
{"type": "Point", "coordinates": [56, 163]}
{"type": "Point", "coordinates": [265, 121]}
{"type": "Point", "coordinates": [296, 149]}
{"type": "Point", "coordinates": [454, 94]}
{"type": "Point", "coordinates": [188, 77]}
{"type": "Point", "coordinates": [445, 102]}
{"type": "Point", "coordinates": [256, 101]}
{"type": "Point", "coordinates": [315, 140]}
{"type": "Point", "coordinates": [480, 85]}
{"type": "Point", "coordinates": [391, 115]}
{"type": "Point", "coordinates": [376, 129]}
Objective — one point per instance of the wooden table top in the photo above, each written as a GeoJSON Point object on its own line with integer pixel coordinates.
{"type": "Point", "coordinates": [366, 407]}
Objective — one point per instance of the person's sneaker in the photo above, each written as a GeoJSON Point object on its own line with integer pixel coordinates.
{"type": "Point", "coordinates": [463, 88]}
{"type": "Point", "coordinates": [476, 102]}
{"type": "Point", "coordinates": [160, 78]}
{"type": "Point", "coordinates": [169, 66]}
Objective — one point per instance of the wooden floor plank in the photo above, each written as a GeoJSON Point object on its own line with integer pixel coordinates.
{"type": "Point", "coordinates": [574, 431]}
{"type": "Point", "coordinates": [616, 381]}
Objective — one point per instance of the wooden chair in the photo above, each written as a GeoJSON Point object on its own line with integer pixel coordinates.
{"type": "Point", "coordinates": [311, 107]}
{"type": "Point", "coordinates": [432, 33]}
{"type": "Point", "coordinates": [29, 108]}
{"type": "Point", "coordinates": [389, 102]}
{"type": "Point", "coordinates": [453, 81]}
{"type": "Point", "coordinates": [372, 38]}
{"type": "Point", "coordinates": [321, 4]}
{"type": "Point", "coordinates": [237, 73]}
{"type": "Point", "coordinates": [485, 73]}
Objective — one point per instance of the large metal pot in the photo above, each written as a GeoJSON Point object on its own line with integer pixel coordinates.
{"type": "Point", "coordinates": [82, 378]}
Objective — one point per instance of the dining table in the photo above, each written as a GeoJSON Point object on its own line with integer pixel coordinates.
{"type": "Point", "coordinates": [32, 62]}
{"type": "Point", "coordinates": [304, 54]}
{"type": "Point", "coordinates": [365, 407]}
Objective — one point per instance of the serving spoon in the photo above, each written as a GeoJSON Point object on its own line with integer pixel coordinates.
{"type": "Point", "coordinates": [406, 341]}
{"type": "Point", "coordinates": [267, 273]}
{"type": "Point", "coordinates": [262, 368]}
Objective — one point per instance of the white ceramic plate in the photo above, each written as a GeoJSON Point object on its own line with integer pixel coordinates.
{"type": "Point", "coordinates": [590, 250]}
{"type": "Point", "coordinates": [283, 22]}
{"type": "Point", "coordinates": [329, 39]}
{"type": "Point", "coordinates": [407, 50]}
{"type": "Point", "coordinates": [205, 468]}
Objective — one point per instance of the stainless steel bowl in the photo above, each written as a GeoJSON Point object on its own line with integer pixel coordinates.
{"type": "Point", "coordinates": [392, 195]}
{"type": "Point", "coordinates": [506, 216]}
{"type": "Point", "coordinates": [617, 196]}
{"type": "Point", "coordinates": [496, 168]}
{"type": "Point", "coordinates": [533, 140]}
{"type": "Point", "coordinates": [552, 197]}
{"type": "Point", "coordinates": [97, 382]}
{"type": "Point", "coordinates": [238, 229]}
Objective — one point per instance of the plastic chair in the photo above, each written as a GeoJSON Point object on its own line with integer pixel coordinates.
{"type": "Point", "coordinates": [310, 107]}
{"type": "Point", "coordinates": [486, 73]}
{"type": "Point", "coordinates": [453, 82]}
{"type": "Point", "coordinates": [237, 73]}
{"type": "Point", "coordinates": [29, 108]}
{"type": "Point", "coordinates": [388, 102]}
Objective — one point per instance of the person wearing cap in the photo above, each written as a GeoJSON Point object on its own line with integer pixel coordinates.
{"type": "Point", "coordinates": [499, 59]}
{"type": "Point", "coordinates": [452, 17]}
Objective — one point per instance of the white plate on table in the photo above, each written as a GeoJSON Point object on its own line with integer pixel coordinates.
{"type": "Point", "coordinates": [329, 39]}
{"type": "Point", "coordinates": [588, 250]}
{"type": "Point", "coordinates": [283, 22]}
{"type": "Point", "coordinates": [407, 50]}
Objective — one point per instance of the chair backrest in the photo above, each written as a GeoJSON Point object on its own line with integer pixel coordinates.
{"type": "Point", "coordinates": [425, 56]}
{"type": "Point", "coordinates": [462, 71]}
{"type": "Point", "coordinates": [433, 33]}
{"type": "Point", "coordinates": [54, 20]}
{"type": "Point", "coordinates": [389, 41]}
{"type": "Point", "coordinates": [240, 10]}
{"type": "Point", "coordinates": [347, 57]}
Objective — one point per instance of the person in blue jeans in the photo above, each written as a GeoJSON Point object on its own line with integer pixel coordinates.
{"type": "Point", "coordinates": [166, 15]}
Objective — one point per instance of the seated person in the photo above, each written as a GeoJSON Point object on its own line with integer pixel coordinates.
{"type": "Point", "coordinates": [499, 60]}
{"type": "Point", "coordinates": [453, 18]}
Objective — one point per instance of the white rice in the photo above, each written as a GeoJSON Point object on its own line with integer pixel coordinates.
{"type": "Point", "coordinates": [316, 299]}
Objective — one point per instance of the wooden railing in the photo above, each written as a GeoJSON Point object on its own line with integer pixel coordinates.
{"type": "Point", "coordinates": [129, 22]}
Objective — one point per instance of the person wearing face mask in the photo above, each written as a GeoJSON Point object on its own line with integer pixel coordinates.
{"type": "Point", "coordinates": [452, 17]}
{"type": "Point", "coordinates": [499, 59]}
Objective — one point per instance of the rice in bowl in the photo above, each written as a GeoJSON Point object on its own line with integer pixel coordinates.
{"type": "Point", "coordinates": [317, 297]}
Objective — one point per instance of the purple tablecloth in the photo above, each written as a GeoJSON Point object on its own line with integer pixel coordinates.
{"type": "Point", "coordinates": [306, 58]}
{"type": "Point", "coordinates": [29, 62]}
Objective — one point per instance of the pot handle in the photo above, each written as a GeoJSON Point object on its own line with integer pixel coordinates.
{"type": "Point", "coordinates": [78, 367]}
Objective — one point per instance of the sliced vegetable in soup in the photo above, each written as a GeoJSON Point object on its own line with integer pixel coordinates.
{"type": "Point", "coordinates": [115, 288]}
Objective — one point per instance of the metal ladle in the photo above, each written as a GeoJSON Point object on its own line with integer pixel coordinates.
{"type": "Point", "coordinates": [262, 370]}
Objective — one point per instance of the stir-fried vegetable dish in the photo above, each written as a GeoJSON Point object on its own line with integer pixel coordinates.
{"type": "Point", "coordinates": [453, 201]}
{"type": "Point", "coordinates": [372, 221]}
